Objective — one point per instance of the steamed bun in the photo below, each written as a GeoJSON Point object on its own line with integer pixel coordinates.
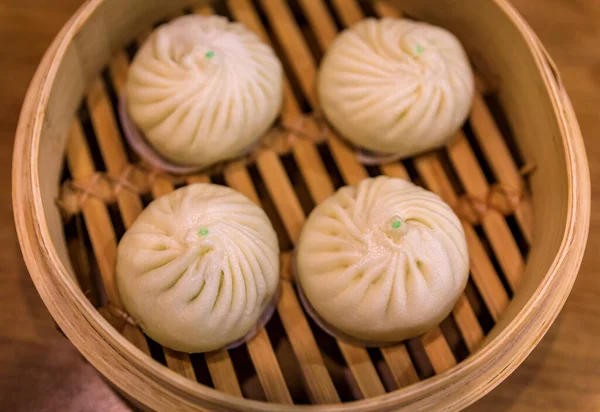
{"type": "Point", "coordinates": [203, 89]}
{"type": "Point", "coordinates": [382, 261]}
{"type": "Point", "coordinates": [396, 86]}
{"type": "Point", "coordinates": [198, 267]}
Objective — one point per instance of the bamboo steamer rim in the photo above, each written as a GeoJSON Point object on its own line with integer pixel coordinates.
{"type": "Point", "coordinates": [131, 371]}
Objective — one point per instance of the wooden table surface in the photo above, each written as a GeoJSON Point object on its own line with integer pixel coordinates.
{"type": "Point", "coordinates": [41, 371]}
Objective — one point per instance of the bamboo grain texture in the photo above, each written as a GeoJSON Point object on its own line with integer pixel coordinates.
{"type": "Point", "coordinates": [287, 183]}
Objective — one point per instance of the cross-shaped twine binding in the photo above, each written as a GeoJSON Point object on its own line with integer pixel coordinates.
{"type": "Point", "coordinates": [123, 181]}
{"type": "Point", "coordinates": [99, 185]}
{"type": "Point", "coordinates": [83, 191]}
{"type": "Point", "coordinates": [500, 197]}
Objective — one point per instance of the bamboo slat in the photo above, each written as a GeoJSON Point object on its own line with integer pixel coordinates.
{"type": "Point", "coordinates": [501, 161]}
{"type": "Point", "coordinates": [180, 363]}
{"type": "Point", "coordinates": [348, 10]}
{"type": "Point", "coordinates": [384, 9]}
{"type": "Point", "coordinates": [99, 226]}
{"type": "Point", "coordinates": [400, 364]}
{"type": "Point", "coordinates": [319, 383]}
{"type": "Point", "coordinates": [439, 353]}
{"type": "Point", "coordinates": [198, 179]}
{"type": "Point", "coordinates": [222, 372]}
{"type": "Point", "coordinates": [483, 273]}
{"type": "Point", "coordinates": [495, 226]}
{"type": "Point", "coordinates": [467, 322]}
{"type": "Point", "coordinates": [268, 370]}
{"type": "Point", "coordinates": [204, 10]}
{"type": "Point", "coordinates": [95, 213]}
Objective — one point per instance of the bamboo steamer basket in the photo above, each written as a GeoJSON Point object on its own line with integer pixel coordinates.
{"type": "Point", "coordinates": [521, 153]}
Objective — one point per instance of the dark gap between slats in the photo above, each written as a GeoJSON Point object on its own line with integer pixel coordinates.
{"type": "Point", "coordinates": [132, 157]}
{"type": "Point", "coordinates": [488, 248]}
{"type": "Point", "coordinates": [290, 367]}
{"type": "Point", "coordinates": [484, 318]}
{"type": "Point", "coordinates": [373, 170]}
{"type": "Point", "coordinates": [501, 120]}
{"type": "Point", "coordinates": [180, 184]}
{"type": "Point", "coordinates": [201, 369]}
{"type": "Point", "coordinates": [511, 221]}
{"type": "Point", "coordinates": [336, 20]}
{"type": "Point", "coordinates": [305, 29]}
{"type": "Point", "coordinates": [95, 276]}
{"type": "Point", "coordinates": [268, 205]}
{"type": "Point", "coordinates": [298, 182]}
{"type": "Point", "coordinates": [79, 254]}
{"type": "Point", "coordinates": [277, 124]}
{"type": "Point", "coordinates": [156, 351]}
{"type": "Point", "coordinates": [159, 22]}
{"type": "Point", "coordinates": [412, 172]}
{"type": "Point", "coordinates": [218, 179]}
{"type": "Point", "coordinates": [481, 159]}
{"type": "Point", "coordinates": [65, 173]}
{"type": "Point", "coordinates": [454, 338]}
{"type": "Point", "coordinates": [146, 199]}
{"type": "Point", "coordinates": [446, 163]}
{"type": "Point", "coordinates": [383, 370]}
{"type": "Point", "coordinates": [294, 83]}
{"type": "Point", "coordinates": [90, 135]}
{"type": "Point", "coordinates": [419, 358]}
{"type": "Point", "coordinates": [367, 8]}
{"type": "Point", "coordinates": [116, 219]}
{"type": "Point", "coordinates": [222, 9]}
{"type": "Point", "coordinates": [131, 49]}
{"type": "Point", "coordinates": [332, 170]}
{"type": "Point", "coordinates": [342, 378]}
{"type": "Point", "coordinates": [246, 374]}
{"type": "Point", "coordinates": [71, 231]}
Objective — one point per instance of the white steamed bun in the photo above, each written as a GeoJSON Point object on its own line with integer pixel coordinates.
{"type": "Point", "coordinates": [198, 267]}
{"type": "Point", "coordinates": [396, 86]}
{"type": "Point", "coordinates": [382, 261]}
{"type": "Point", "coordinates": [204, 89]}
